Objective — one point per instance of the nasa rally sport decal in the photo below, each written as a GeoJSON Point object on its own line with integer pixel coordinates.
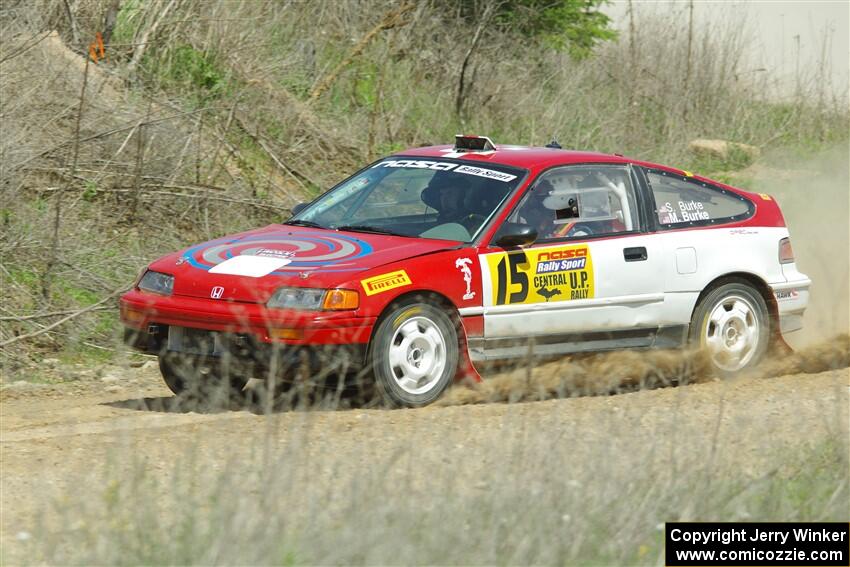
{"type": "Point", "coordinates": [443, 166]}
{"type": "Point", "coordinates": [263, 254]}
{"type": "Point", "coordinates": [541, 275]}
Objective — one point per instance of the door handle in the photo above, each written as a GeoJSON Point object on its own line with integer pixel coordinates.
{"type": "Point", "coordinates": [636, 254]}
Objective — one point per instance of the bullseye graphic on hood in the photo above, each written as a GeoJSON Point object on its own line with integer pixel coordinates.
{"type": "Point", "coordinates": [294, 251]}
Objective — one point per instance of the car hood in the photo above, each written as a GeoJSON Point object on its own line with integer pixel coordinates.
{"type": "Point", "coordinates": [250, 266]}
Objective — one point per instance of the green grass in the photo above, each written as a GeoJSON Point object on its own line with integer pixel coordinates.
{"type": "Point", "coordinates": [90, 191]}
{"type": "Point", "coordinates": [124, 25]}
{"type": "Point", "coordinates": [78, 295]}
{"type": "Point", "coordinates": [26, 277]}
{"type": "Point", "coordinates": [296, 83]}
{"type": "Point", "coordinates": [735, 160]}
{"type": "Point", "coordinates": [197, 75]}
{"type": "Point", "coordinates": [88, 355]}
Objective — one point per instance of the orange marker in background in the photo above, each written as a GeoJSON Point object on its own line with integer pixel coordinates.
{"type": "Point", "coordinates": [97, 50]}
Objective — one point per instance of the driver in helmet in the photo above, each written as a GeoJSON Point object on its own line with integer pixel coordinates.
{"type": "Point", "coordinates": [456, 198]}
{"type": "Point", "coordinates": [539, 209]}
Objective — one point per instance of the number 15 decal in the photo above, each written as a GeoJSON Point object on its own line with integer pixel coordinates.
{"type": "Point", "coordinates": [517, 277]}
{"type": "Point", "coordinates": [541, 275]}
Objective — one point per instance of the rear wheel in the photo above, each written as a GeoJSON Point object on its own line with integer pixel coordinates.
{"type": "Point", "coordinates": [733, 326]}
{"type": "Point", "coordinates": [200, 378]}
{"type": "Point", "coordinates": [414, 354]}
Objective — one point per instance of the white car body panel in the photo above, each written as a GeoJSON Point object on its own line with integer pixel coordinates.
{"type": "Point", "coordinates": [792, 297]}
{"type": "Point", "coordinates": [657, 292]}
{"type": "Point", "coordinates": [627, 294]}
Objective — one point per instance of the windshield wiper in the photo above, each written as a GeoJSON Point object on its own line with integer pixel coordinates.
{"type": "Point", "coordinates": [299, 222]}
{"type": "Point", "coordinates": [367, 228]}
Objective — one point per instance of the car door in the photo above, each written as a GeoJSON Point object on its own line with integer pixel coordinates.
{"type": "Point", "coordinates": [592, 279]}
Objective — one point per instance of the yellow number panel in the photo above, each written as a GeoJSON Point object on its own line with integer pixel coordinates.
{"type": "Point", "coordinates": [541, 275]}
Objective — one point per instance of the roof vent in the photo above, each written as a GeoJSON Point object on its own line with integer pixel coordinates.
{"type": "Point", "coordinates": [473, 144]}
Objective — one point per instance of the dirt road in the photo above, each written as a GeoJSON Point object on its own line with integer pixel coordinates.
{"type": "Point", "coordinates": [68, 439]}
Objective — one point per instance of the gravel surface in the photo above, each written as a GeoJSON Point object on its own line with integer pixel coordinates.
{"type": "Point", "coordinates": [70, 438]}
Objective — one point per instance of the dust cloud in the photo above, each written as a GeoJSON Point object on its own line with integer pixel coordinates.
{"type": "Point", "coordinates": [624, 371]}
{"type": "Point", "coordinates": [580, 375]}
{"type": "Point", "coordinates": [815, 199]}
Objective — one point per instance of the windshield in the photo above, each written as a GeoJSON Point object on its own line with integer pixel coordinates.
{"type": "Point", "coordinates": [434, 198]}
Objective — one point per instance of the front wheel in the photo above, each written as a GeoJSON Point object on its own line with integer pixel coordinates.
{"type": "Point", "coordinates": [200, 378]}
{"type": "Point", "coordinates": [732, 324]}
{"type": "Point", "coordinates": [414, 354]}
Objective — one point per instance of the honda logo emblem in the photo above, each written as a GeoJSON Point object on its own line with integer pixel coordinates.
{"type": "Point", "coordinates": [217, 292]}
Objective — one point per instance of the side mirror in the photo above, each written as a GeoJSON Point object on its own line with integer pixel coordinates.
{"type": "Point", "coordinates": [515, 234]}
{"type": "Point", "coordinates": [298, 208]}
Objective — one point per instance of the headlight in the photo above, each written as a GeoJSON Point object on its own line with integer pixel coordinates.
{"type": "Point", "coordinates": [311, 299]}
{"type": "Point", "coordinates": [157, 282]}
{"type": "Point", "coordinates": [297, 298]}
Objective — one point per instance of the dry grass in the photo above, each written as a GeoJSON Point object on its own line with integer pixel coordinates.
{"type": "Point", "coordinates": [536, 492]}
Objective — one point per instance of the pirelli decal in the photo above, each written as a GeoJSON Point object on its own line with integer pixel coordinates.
{"type": "Point", "coordinates": [385, 282]}
{"type": "Point", "coordinates": [541, 275]}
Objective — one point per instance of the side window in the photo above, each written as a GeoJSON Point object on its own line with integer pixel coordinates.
{"type": "Point", "coordinates": [689, 202]}
{"type": "Point", "coordinates": [579, 201]}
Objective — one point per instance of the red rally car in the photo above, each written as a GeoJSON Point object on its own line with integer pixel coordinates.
{"type": "Point", "coordinates": [426, 262]}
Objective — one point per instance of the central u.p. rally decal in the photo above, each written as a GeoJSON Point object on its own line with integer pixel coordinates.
{"type": "Point", "coordinates": [542, 275]}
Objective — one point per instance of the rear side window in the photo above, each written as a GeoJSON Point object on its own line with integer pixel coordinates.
{"type": "Point", "coordinates": [682, 201]}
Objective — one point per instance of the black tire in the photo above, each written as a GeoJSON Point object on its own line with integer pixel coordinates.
{"type": "Point", "coordinates": [279, 385]}
{"type": "Point", "coordinates": [431, 349]}
{"type": "Point", "coordinates": [201, 379]}
{"type": "Point", "coordinates": [732, 324]}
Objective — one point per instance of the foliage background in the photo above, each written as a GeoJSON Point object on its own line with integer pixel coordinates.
{"type": "Point", "coordinates": [211, 117]}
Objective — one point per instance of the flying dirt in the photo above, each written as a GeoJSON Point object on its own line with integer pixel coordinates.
{"type": "Point", "coordinates": [631, 370]}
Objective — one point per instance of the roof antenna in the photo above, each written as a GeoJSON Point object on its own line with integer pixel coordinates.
{"type": "Point", "coordinates": [554, 144]}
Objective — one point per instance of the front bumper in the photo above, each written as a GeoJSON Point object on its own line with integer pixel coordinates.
{"type": "Point", "coordinates": [139, 310]}
{"type": "Point", "coordinates": [247, 332]}
{"type": "Point", "coordinates": [246, 351]}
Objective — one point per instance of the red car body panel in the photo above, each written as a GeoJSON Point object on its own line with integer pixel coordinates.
{"type": "Point", "coordinates": [329, 259]}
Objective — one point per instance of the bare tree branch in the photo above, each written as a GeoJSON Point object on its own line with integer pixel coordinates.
{"type": "Point", "coordinates": [51, 314]}
{"type": "Point", "coordinates": [139, 52]}
{"type": "Point", "coordinates": [390, 20]}
{"type": "Point", "coordinates": [461, 83]}
{"type": "Point", "coordinates": [75, 31]}
{"type": "Point", "coordinates": [55, 324]}
{"type": "Point", "coordinates": [27, 46]}
{"type": "Point", "coordinates": [57, 218]}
